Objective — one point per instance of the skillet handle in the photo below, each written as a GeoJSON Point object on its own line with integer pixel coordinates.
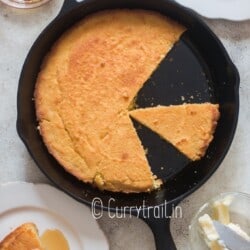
{"type": "Point", "coordinates": [161, 226]}
{"type": "Point", "coordinates": [68, 5]}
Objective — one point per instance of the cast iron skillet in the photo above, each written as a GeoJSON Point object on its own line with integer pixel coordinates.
{"type": "Point", "coordinates": [198, 69]}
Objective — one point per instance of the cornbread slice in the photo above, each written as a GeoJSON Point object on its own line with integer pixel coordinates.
{"type": "Point", "coordinates": [124, 166]}
{"type": "Point", "coordinates": [25, 237]}
{"type": "Point", "coordinates": [188, 127]}
{"type": "Point", "coordinates": [90, 76]}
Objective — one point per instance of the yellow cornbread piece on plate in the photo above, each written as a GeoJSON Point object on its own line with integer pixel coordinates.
{"type": "Point", "coordinates": [25, 237]}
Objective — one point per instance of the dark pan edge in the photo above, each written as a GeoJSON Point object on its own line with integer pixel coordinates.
{"type": "Point", "coordinates": [236, 74]}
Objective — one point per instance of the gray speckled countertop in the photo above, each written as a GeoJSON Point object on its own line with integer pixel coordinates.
{"type": "Point", "coordinates": [18, 30]}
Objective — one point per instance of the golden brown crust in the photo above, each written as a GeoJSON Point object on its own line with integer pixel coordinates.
{"type": "Point", "coordinates": [188, 127]}
{"type": "Point", "coordinates": [25, 237]}
{"type": "Point", "coordinates": [89, 78]}
{"type": "Point", "coordinates": [124, 166]}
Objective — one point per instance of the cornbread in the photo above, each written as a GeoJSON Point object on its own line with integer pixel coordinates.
{"type": "Point", "coordinates": [188, 127]}
{"type": "Point", "coordinates": [24, 237]}
{"type": "Point", "coordinates": [85, 88]}
{"type": "Point", "coordinates": [123, 150]}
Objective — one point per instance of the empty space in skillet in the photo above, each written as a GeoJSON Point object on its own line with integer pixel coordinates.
{"type": "Point", "coordinates": [182, 77]}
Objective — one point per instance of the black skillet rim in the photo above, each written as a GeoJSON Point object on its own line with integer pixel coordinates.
{"type": "Point", "coordinates": [176, 200]}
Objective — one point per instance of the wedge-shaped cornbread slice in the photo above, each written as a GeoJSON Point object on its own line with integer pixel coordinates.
{"type": "Point", "coordinates": [25, 237]}
{"type": "Point", "coordinates": [188, 127]}
{"type": "Point", "coordinates": [124, 166]}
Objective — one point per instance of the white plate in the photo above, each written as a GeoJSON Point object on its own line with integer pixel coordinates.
{"type": "Point", "coordinates": [49, 208]}
{"type": "Point", "coordinates": [236, 10]}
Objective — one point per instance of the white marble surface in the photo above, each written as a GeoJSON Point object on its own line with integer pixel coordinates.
{"type": "Point", "coordinates": [18, 30]}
